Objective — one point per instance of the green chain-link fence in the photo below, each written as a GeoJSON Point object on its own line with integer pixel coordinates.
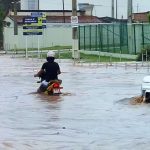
{"type": "Point", "coordinates": [114, 38]}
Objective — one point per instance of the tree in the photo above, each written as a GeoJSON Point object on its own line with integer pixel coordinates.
{"type": "Point", "coordinates": [5, 5]}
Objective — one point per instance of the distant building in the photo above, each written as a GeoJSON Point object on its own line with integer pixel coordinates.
{"type": "Point", "coordinates": [88, 8]}
{"type": "Point", "coordinates": [58, 29]}
{"type": "Point", "coordinates": [57, 16]}
{"type": "Point", "coordinates": [29, 4]}
{"type": "Point", "coordinates": [140, 17]}
{"type": "Point", "coordinates": [112, 20]}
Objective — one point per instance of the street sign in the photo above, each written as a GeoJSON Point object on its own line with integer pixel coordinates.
{"type": "Point", "coordinates": [32, 26]}
{"type": "Point", "coordinates": [74, 21]}
{"type": "Point", "coordinates": [40, 15]}
{"type": "Point", "coordinates": [29, 20]}
{"type": "Point", "coordinates": [32, 33]}
{"type": "Point", "coordinates": [36, 14]}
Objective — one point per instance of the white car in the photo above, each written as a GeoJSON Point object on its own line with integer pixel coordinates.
{"type": "Point", "coordinates": [145, 89]}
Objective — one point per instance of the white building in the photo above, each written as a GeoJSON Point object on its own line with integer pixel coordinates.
{"type": "Point", "coordinates": [29, 4]}
{"type": "Point", "coordinates": [58, 31]}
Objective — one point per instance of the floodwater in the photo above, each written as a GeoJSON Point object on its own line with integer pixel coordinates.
{"type": "Point", "coordinates": [94, 113]}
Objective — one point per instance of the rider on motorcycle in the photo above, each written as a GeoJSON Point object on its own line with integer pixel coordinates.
{"type": "Point", "coordinates": [49, 71]}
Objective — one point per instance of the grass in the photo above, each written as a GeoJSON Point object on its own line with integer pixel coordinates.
{"type": "Point", "coordinates": [92, 58]}
{"type": "Point", "coordinates": [96, 58]}
{"type": "Point", "coordinates": [83, 57]}
{"type": "Point", "coordinates": [57, 47]}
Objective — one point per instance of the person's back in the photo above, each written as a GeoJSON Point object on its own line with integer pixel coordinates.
{"type": "Point", "coordinates": [51, 70]}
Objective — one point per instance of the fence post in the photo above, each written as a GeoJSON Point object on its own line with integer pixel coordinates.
{"type": "Point", "coordinates": [90, 36]}
{"type": "Point", "coordinates": [136, 66]}
{"type": "Point", "coordinates": [79, 37]}
{"type": "Point", "coordinates": [134, 40]}
{"type": "Point", "coordinates": [142, 34]}
{"type": "Point", "coordinates": [146, 56]}
{"type": "Point", "coordinates": [110, 60]}
{"type": "Point", "coordinates": [107, 38]}
{"type": "Point", "coordinates": [100, 37]}
{"type": "Point", "coordinates": [120, 26]}
{"type": "Point", "coordinates": [114, 38]}
{"type": "Point", "coordinates": [99, 56]}
{"type": "Point", "coordinates": [127, 38]}
{"type": "Point", "coordinates": [96, 37]}
{"type": "Point", "coordinates": [120, 56]}
{"type": "Point", "coordinates": [142, 59]}
{"type": "Point", "coordinates": [84, 37]}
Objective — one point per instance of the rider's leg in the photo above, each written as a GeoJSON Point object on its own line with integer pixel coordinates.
{"type": "Point", "coordinates": [43, 87]}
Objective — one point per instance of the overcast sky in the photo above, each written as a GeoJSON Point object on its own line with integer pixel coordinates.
{"type": "Point", "coordinates": [102, 7]}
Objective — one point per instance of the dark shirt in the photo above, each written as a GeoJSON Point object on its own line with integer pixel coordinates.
{"type": "Point", "coordinates": [51, 70]}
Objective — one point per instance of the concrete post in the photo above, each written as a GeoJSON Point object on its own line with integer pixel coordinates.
{"type": "Point", "coordinates": [130, 27]}
{"type": "Point", "coordinates": [75, 44]}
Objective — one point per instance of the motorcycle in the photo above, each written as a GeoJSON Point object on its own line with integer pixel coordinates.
{"type": "Point", "coordinates": [145, 89]}
{"type": "Point", "coordinates": [53, 87]}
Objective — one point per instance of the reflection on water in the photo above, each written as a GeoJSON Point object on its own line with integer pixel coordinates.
{"type": "Point", "coordinates": [92, 113]}
{"type": "Point", "coordinates": [48, 98]}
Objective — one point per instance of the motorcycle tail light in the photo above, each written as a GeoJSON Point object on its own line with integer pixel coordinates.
{"type": "Point", "coordinates": [55, 85]}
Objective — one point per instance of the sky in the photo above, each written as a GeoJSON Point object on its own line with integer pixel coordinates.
{"type": "Point", "coordinates": [102, 7]}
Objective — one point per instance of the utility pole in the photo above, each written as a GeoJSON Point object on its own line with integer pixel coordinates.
{"type": "Point", "coordinates": [74, 13]}
{"type": "Point", "coordinates": [137, 7]}
{"type": "Point", "coordinates": [131, 41]}
{"type": "Point", "coordinates": [63, 11]}
{"type": "Point", "coordinates": [112, 9]}
{"type": "Point", "coordinates": [129, 11]}
{"type": "Point", "coordinates": [75, 47]}
{"type": "Point", "coordinates": [38, 4]}
{"type": "Point", "coordinates": [116, 9]}
{"type": "Point", "coordinates": [15, 20]}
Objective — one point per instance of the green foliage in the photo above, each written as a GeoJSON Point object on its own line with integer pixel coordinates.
{"type": "Point", "coordinates": [144, 53]}
{"type": "Point", "coordinates": [7, 4]}
{"type": "Point", "coordinates": [148, 17]}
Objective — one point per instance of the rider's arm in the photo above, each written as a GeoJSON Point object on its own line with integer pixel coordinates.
{"type": "Point", "coordinates": [58, 71]}
{"type": "Point", "coordinates": [39, 73]}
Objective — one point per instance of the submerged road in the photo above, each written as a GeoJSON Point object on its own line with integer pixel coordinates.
{"type": "Point", "coordinates": [93, 113]}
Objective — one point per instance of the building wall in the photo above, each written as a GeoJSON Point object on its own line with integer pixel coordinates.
{"type": "Point", "coordinates": [140, 17]}
{"type": "Point", "coordinates": [47, 13]}
{"type": "Point", "coordinates": [29, 4]}
{"type": "Point", "coordinates": [53, 35]}
{"type": "Point", "coordinates": [24, 4]}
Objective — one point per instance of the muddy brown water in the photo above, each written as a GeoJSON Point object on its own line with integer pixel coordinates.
{"type": "Point", "coordinates": [93, 113]}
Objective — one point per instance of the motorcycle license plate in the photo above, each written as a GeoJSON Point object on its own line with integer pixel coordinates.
{"type": "Point", "coordinates": [56, 91]}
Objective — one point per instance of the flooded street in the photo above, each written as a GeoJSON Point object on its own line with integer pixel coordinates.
{"type": "Point", "coordinates": [94, 113]}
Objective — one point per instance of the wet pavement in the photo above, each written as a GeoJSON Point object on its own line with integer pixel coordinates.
{"type": "Point", "coordinates": [93, 113]}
